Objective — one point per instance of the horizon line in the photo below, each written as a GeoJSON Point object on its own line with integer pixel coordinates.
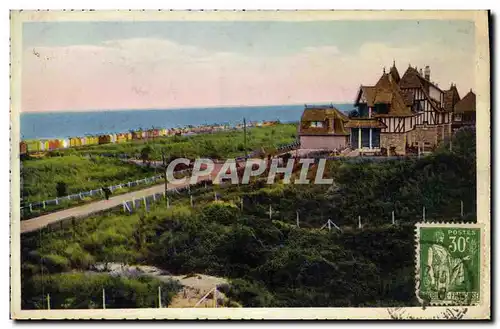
{"type": "Point", "coordinates": [184, 108]}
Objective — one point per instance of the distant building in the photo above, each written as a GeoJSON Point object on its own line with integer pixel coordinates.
{"type": "Point", "coordinates": [323, 128]}
{"type": "Point", "coordinates": [464, 111]}
{"type": "Point", "coordinates": [398, 114]}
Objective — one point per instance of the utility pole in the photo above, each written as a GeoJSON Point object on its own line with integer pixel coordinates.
{"type": "Point", "coordinates": [245, 137]}
{"type": "Point", "coordinates": [164, 160]}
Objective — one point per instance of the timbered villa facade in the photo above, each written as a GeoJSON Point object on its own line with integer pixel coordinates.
{"type": "Point", "coordinates": [411, 111]}
{"type": "Point", "coordinates": [397, 114]}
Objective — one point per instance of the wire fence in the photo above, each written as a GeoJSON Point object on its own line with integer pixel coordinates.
{"type": "Point", "coordinates": [96, 192]}
{"type": "Point", "coordinates": [145, 181]}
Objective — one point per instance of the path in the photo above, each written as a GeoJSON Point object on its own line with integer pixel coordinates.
{"type": "Point", "coordinates": [90, 208]}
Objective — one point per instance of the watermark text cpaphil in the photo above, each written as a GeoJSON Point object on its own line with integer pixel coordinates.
{"type": "Point", "coordinates": [240, 172]}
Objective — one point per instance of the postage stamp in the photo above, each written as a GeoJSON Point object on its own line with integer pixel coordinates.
{"type": "Point", "coordinates": [449, 264]}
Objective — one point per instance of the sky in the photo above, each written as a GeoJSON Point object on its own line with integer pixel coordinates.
{"type": "Point", "coordinates": [78, 66]}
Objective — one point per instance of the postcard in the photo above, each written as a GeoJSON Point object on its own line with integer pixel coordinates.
{"type": "Point", "coordinates": [250, 165]}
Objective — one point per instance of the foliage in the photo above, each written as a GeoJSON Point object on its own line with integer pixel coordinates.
{"type": "Point", "coordinates": [353, 114]}
{"type": "Point", "coordinates": [62, 189]}
{"type": "Point", "coordinates": [84, 290]}
{"type": "Point", "coordinates": [43, 178]}
{"type": "Point", "coordinates": [146, 153]}
{"type": "Point", "coordinates": [220, 211]}
{"type": "Point", "coordinates": [271, 262]}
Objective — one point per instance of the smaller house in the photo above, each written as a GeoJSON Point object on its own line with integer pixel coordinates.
{"type": "Point", "coordinates": [464, 112]}
{"type": "Point", "coordinates": [322, 128]}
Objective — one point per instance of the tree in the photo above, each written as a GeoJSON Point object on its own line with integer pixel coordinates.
{"type": "Point", "coordinates": [146, 154]}
{"type": "Point", "coordinates": [62, 189]}
{"type": "Point", "coordinates": [353, 114]}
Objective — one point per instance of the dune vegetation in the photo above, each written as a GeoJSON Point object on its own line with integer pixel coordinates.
{"type": "Point", "coordinates": [269, 261]}
{"type": "Point", "coordinates": [218, 145]}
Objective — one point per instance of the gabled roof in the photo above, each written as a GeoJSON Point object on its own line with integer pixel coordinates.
{"type": "Point", "coordinates": [451, 97]}
{"type": "Point", "coordinates": [408, 96]}
{"type": "Point", "coordinates": [387, 91]}
{"type": "Point", "coordinates": [369, 92]}
{"type": "Point", "coordinates": [318, 113]}
{"type": "Point", "coordinates": [466, 104]}
{"type": "Point", "coordinates": [412, 79]}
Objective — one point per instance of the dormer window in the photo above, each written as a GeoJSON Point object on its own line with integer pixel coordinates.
{"type": "Point", "coordinates": [317, 124]}
{"type": "Point", "coordinates": [458, 117]}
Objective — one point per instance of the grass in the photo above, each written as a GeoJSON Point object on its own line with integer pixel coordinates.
{"type": "Point", "coordinates": [80, 174]}
{"type": "Point", "coordinates": [218, 145]}
{"type": "Point", "coordinates": [84, 290]}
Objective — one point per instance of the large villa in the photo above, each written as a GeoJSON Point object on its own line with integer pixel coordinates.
{"type": "Point", "coordinates": [395, 115]}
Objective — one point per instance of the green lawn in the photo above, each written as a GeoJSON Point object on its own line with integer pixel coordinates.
{"type": "Point", "coordinates": [40, 176]}
{"type": "Point", "coordinates": [218, 145]}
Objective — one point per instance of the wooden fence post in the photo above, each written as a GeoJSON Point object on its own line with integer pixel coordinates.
{"type": "Point", "coordinates": [159, 296]}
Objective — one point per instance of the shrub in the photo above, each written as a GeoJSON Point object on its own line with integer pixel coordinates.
{"type": "Point", "coordinates": [221, 212]}
{"type": "Point", "coordinates": [56, 263]}
{"type": "Point", "coordinates": [84, 290]}
{"type": "Point", "coordinates": [250, 294]}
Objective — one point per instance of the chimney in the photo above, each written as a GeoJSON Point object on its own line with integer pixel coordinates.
{"type": "Point", "coordinates": [420, 72]}
{"type": "Point", "coordinates": [427, 72]}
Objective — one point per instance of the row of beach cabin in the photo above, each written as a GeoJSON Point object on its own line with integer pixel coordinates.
{"type": "Point", "coordinates": [32, 146]}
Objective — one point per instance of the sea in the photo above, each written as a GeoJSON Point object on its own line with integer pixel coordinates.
{"type": "Point", "coordinates": [50, 125]}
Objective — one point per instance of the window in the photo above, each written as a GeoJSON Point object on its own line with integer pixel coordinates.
{"type": "Point", "coordinates": [421, 106]}
{"type": "Point", "coordinates": [363, 110]}
{"type": "Point", "coordinates": [458, 117]}
{"type": "Point", "coordinates": [382, 108]}
{"type": "Point", "coordinates": [317, 124]}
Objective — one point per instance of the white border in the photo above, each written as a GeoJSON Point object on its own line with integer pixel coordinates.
{"type": "Point", "coordinates": [483, 196]}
